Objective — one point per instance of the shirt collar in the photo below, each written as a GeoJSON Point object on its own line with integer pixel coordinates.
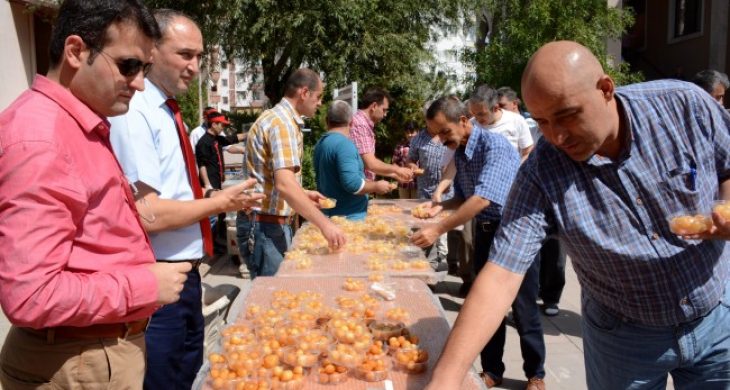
{"type": "Point", "coordinates": [87, 119]}
{"type": "Point", "coordinates": [153, 94]}
{"type": "Point", "coordinates": [292, 111]}
{"type": "Point", "coordinates": [366, 117]}
{"type": "Point", "coordinates": [471, 143]}
{"type": "Point", "coordinates": [629, 143]}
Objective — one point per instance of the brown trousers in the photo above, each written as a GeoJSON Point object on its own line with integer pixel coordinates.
{"type": "Point", "coordinates": [29, 361]}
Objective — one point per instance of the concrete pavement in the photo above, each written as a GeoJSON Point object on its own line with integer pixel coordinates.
{"type": "Point", "coordinates": [564, 364]}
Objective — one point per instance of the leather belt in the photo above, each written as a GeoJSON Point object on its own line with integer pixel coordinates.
{"type": "Point", "coordinates": [195, 262]}
{"type": "Point", "coordinates": [268, 218]}
{"type": "Point", "coordinates": [488, 226]}
{"type": "Point", "coordinates": [98, 331]}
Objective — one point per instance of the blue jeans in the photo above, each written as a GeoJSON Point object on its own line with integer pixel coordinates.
{"type": "Point", "coordinates": [623, 355]}
{"type": "Point", "coordinates": [174, 340]}
{"type": "Point", "coordinates": [525, 310]}
{"type": "Point", "coordinates": [262, 245]}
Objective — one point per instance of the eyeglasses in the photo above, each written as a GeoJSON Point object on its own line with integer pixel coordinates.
{"type": "Point", "coordinates": [129, 67]}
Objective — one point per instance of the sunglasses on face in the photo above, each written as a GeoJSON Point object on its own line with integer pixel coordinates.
{"type": "Point", "coordinates": [129, 67]}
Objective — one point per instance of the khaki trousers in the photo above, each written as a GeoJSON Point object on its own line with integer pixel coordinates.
{"type": "Point", "coordinates": [29, 361]}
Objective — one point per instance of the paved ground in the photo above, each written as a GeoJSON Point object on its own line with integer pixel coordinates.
{"type": "Point", "coordinates": [564, 365]}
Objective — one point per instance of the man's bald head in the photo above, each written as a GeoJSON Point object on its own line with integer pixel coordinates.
{"type": "Point", "coordinates": [572, 100]}
{"type": "Point", "coordinates": [561, 65]}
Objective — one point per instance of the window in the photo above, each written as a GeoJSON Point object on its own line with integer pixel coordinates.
{"type": "Point", "coordinates": [224, 82]}
{"type": "Point", "coordinates": [225, 100]}
{"type": "Point", "coordinates": [685, 19]}
{"type": "Point", "coordinates": [224, 65]}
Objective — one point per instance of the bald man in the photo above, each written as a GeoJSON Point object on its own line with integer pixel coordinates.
{"type": "Point", "coordinates": [613, 164]}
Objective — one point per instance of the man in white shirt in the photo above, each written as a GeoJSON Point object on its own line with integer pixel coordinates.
{"type": "Point", "coordinates": [152, 147]}
{"type": "Point", "coordinates": [198, 132]}
{"type": "Point", "coordinates": [488, 115]}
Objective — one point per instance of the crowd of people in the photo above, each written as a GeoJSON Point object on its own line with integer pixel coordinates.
{"type": "Point", "coordinates": [109, 207]}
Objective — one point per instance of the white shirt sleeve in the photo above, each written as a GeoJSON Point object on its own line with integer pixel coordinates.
{"type": "Point", "coordinates": [524, 138]}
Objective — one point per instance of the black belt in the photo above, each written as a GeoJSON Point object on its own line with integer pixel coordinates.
{"type": "Point", "coordinates": [195, 262]}
{"type": "Point", "coordinates": [487, 226]}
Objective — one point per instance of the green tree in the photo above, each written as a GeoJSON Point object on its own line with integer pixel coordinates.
{"type": "Point", "coordinates": [519, 27]}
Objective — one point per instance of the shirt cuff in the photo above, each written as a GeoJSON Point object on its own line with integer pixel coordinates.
{"type": "Point", "coordinates": [143, 287]}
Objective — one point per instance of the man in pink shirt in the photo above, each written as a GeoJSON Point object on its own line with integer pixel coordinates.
{"type": "Point", "coordinates": [78, 278]}
{"type": "Point", "coordinates": [374, 107]}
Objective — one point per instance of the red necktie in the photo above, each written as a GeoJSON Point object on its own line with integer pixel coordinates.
{"type": "Point", "coordinates": [187, 150]}
{"type": "Point", "coordinates": [220, 161]}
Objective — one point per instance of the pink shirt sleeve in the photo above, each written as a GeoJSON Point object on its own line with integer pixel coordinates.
{"type": "Point", "coordinates": [41, 204]}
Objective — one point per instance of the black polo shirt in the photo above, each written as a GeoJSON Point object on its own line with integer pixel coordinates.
{"type": "Point", "coordinates": [209, 154]}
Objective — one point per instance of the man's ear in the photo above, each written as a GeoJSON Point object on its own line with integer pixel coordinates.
{"type": "Point", "coordinates": [607, 86]}
{"type": "Point", "coordinates": [463, 120]}
{"type": "Point", "coordinates": [75, 51]}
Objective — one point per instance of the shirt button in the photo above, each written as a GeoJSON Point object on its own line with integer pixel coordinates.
{"type": "Point", "coordinates": [639, 202]}
{"type": "Point", "coordinates": [654, 236]}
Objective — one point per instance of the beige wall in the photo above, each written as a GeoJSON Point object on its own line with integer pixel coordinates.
{"type": "Point", "coordinates": [18, 52]}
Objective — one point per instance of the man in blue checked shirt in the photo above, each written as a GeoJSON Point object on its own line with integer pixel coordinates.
{"type": "Point", "coordinates": [613, 164]}
{"type": "Point", "coordinates": [486, 165]}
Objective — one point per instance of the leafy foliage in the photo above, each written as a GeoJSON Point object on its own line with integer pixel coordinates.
{"type": "Point", "coordinates": [520, 27]}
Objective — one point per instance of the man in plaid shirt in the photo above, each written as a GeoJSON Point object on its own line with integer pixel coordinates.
{"type": "Point", "coordinates": [374, 107]}
{"type": "Point", "coordinates": [486, 164]}
{"type": "Point", "coordinates": [613, 165]}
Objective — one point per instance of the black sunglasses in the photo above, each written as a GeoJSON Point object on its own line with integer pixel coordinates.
{"type": "Point", "coordinates": [129, 67]}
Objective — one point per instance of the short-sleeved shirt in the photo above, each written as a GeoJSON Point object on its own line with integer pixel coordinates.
{"type": "Point", "coordinates": [513, 127]}
{"type": "Point", "coordinates": [611, 216]}
{"type": "Point", "coordinates": [209, 154]}
{"type": "Point", "coordinates": [486, 167]}
{"type": "Point", "coordinates": [147, 145]}
{"type": "Point", "coordinates": [196, 134]}
{"type": "Point", "coordinates": [72, 250]}
{"type": "Point", "coordinates": [362, 133]}
{"type": "Point", "coordinates": [428, 154]}
{"type": "Point", "coordinates": [340, 175]}
{"type": "Point", "coordinates": [274, 142]}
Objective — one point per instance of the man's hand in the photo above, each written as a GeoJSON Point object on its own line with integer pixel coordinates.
{"type": "Point", "coordinates": [720, 230]}
{"type": "Point", "coordinates": [239, 197]}
{"type": "Point", "coordinates": [403, 175]}
{"type": "Point", "coordinates": [426, 235]}
{"type": "Point", "coordinates": [436, 197]}
{"type": "Point", "coordinates": [171, 278]}
{"type": "Point", "coordinates": [334, 235]}
{"type": "Point", "coordinates": [411, 166]}
{"type": "Point", "coordinates": [428, 210]}
{"type": "Point", "coordinates": [382, 187]}
{"type": "Point", "coordinates": [314, 196]}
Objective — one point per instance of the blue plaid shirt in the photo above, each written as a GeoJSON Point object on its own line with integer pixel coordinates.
{"type": "Point", "coordinates": [428, 154]}
{"type": "Point", "coordinates": [486, 167]}
{"type": "Point", "coordinates": [611, 216]}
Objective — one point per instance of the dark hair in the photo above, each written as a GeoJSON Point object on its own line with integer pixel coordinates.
{"type": "Point", "coordinates": [373, 95]}
{"type": "Point", "coordinates": [452, 109]}
{"type": "Point", "coordinates": [339, 114]}
{"type": "Point", "coordinates": [508, 93]}
{"type": "Point", "coordinates": [90, 20]}
{"type": "Point", "coordinates": [302, 77]}
{"type": "Point", "coordinates": [707, 79]}
{"type": "Point", "coordinates": [485, 94]}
